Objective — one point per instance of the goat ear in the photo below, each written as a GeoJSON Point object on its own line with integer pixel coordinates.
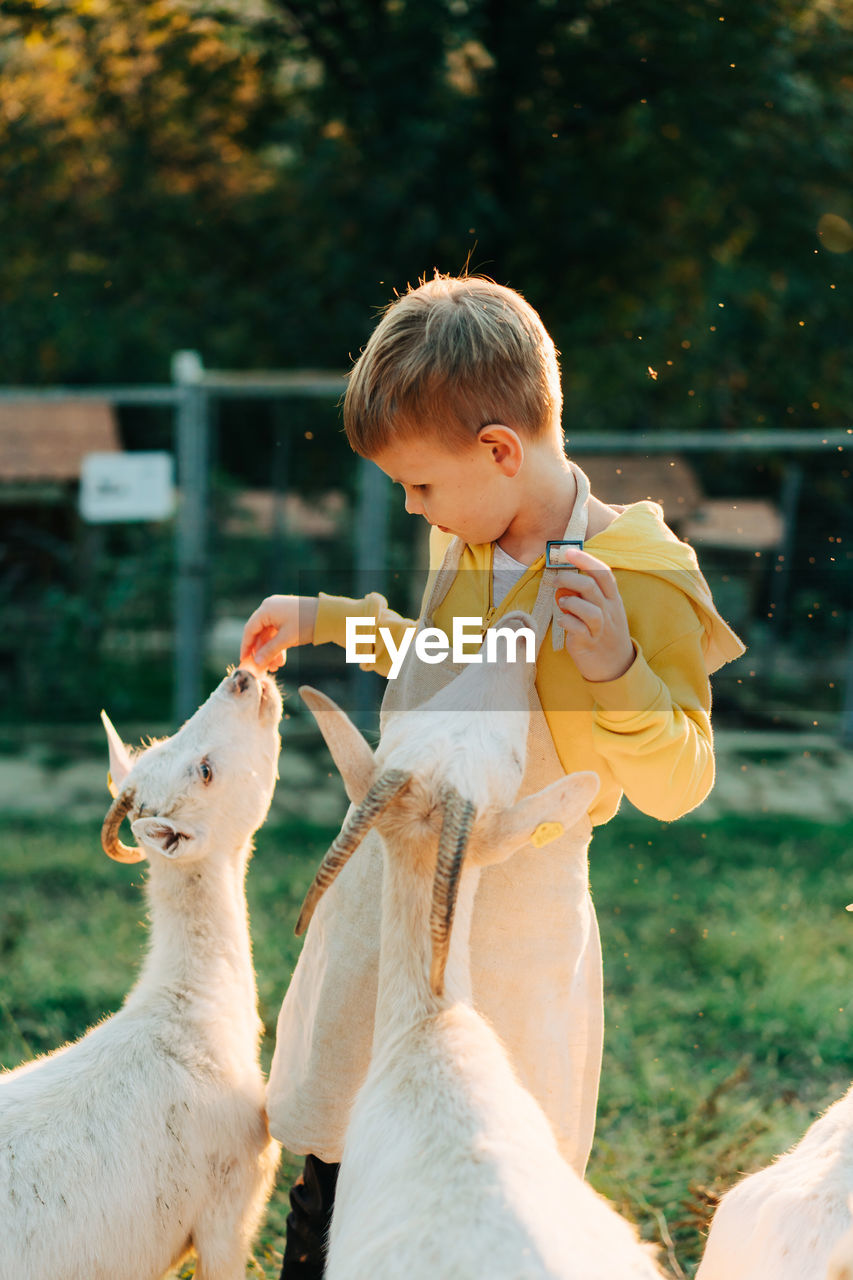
{"type": "Point", "coordinates": [349, 750]}
{"type": "Point", "coordinates": [164, 836]}
{"type": "Point", "coordinates": [538, 819]}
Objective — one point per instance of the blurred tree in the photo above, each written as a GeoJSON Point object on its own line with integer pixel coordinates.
{"type": "Point", "coordinates": [128, 162]}
{"type": "Point", "coordinates": [645, 173]}
{"type": "Point", "coordinates": [667, 184]}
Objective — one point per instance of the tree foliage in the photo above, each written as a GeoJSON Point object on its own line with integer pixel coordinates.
{"type": "Point", "coordinates": [668, 184]}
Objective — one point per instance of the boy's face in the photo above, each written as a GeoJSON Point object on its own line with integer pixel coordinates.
{"type": "Point", "coordinates": [462, 492]}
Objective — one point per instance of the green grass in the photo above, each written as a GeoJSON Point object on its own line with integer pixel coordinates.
{"type": "Point", "coordinates": [727, 973]}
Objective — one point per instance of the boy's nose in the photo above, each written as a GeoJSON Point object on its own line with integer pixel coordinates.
{"type": "Point", "coordinates": [413, 506]}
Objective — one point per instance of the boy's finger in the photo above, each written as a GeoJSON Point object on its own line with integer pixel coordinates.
{"type": "Point", "coordinates": [570, 601]}
{"type": "Point", "coordinates": [576, 629]}
{"type": "Point", "coordinates": [273, 662]}
{"type": "Point", "coordinates": [583, 559]}
{"type": "Point", "coordinates": [273, 648]}
{"type": "Point", "coordinates": [252, 633]}
{"type": "Point", "coordinates": [583, 586]}
{"type": "Point", "coordinates": [581, 611]}
{"type": "Point", "coordinates": [254, 637]}
{"type": "Point", "coordinates": [270, 661]}
{"type": "Point", "coordinates": [600, 572]}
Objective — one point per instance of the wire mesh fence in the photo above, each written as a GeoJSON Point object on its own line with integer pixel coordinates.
{"type": "Point", "coordinates": [270, 498]}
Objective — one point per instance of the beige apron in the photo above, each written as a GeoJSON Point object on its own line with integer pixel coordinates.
{"type": "Point", "coordinates": [535, 950]}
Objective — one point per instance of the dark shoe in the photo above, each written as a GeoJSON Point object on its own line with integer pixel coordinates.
{"type": "Point", "coordinates": [312, 1198]}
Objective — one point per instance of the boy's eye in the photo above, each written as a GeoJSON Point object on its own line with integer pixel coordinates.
{"type": "Point", "coordinates": [422, 488]}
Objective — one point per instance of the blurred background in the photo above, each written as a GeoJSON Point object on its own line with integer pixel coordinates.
{"type": "Point", "coordinates": [249, 183]}
{"type": "Point", "coordinates": [203, 208]}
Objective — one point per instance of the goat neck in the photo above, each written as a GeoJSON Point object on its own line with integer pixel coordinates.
{"type": "Point", "coordinates": [405, 995]}
{"type": "Point", "coordinates": [199, 920]}
{"type": "Point", "coordinates": [199, 966]}
{"type": "Point", "coordinates": [197, 799]}
{"type": "Point", "coordinates": [469, 740]}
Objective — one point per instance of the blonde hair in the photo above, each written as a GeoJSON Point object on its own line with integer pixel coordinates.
{"type": "Point", "coordinates": [449, 357]}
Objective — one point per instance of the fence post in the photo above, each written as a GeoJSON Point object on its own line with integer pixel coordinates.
{"type": "Point", "coordinates": [191, 430]}
{"type": "Point", "coordinates": [792, 484]}
{"type": "Point", "coordinates": [847, 704]}
{"type": "Point", "coordinates": [371, 567]}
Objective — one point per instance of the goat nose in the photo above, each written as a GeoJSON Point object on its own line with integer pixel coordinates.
{"type": "Point", "coordinates": [240, 681]}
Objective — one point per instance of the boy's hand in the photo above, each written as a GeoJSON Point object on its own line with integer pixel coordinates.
{"type": "Point", "coordinates": [278, 623]}
{"type": "Point", "coordinates": [592, 615]}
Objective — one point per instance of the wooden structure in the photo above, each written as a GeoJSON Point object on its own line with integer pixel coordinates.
{"type": "Point", "coordinates": [730, 524]}
{"type": "Point", "coordinates": [45, 442]}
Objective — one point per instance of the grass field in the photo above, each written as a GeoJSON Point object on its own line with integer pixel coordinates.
{"type": "Point", "coordinates": [727, 971]}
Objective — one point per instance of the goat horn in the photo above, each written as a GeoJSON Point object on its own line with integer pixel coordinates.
{"type": "Point", "coordinates": [112, 846]}
{"type": "Point", "coordinates": [452, 844]}
{"type": "Point", "coordinates": [378, 797]}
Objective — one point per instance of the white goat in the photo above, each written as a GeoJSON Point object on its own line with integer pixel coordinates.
{"type": "Point", "coordinates": [784, 1222]}
{"type": "Point", "coordinates": [450, 1168]}
{"type": "Point", "coordinates": [841, 1261]}
{"type": "Point", "coordinates": [148, 1138]}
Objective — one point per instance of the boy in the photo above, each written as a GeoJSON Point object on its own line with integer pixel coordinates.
{"type": "Point", "coordinates": [457, 398]}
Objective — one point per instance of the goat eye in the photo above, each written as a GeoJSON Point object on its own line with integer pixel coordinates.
{"type": "Point", "coordinates": [205, 771]}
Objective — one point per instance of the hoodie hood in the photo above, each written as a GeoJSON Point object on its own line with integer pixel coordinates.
{"type": "Point", "coordinates": [639, 540]}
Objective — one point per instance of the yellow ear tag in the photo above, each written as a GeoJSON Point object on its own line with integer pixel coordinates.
{"type": "Point", "coordinates": [111, 786]}
{"type": "Point", "coordinates": [545, 833]}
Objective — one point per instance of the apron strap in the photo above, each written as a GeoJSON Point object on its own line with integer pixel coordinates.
{"type": "Point", "coordinates": [543, 609]}
{"type": "Point", "coordinates": [545, 612]}
{"type": "Point", "coordinates": [443, 578]}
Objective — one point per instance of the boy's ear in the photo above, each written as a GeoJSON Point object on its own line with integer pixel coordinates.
{"type": "Point", "coordinates": [538, 819]}
{"type": "Point", "coordinates": [121, 761]}
{"type": "Point", "coordinates": [166, 837]}
{"type": "Point", "coordinates": [505, 446]}
{"type": "Point", "coordinates": [349, 750]}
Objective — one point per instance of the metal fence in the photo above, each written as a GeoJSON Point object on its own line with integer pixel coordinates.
{"type": "Point", "coordinates": [191, 395]}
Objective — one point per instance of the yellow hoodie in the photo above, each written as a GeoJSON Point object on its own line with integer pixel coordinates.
{"type": "Point", "coordinates": [647, 733]}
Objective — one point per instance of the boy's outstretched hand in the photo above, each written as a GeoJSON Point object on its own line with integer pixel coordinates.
{"type": "Point", "coordinates": [278, 623]}
{"type": "Point", "coordinates": [593, 617]}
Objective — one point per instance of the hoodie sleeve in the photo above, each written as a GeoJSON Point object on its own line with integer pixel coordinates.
{"type": "Point", "coordinates": [332, 613]}
{"type": "Point", "coordinates": [331, 627]}
{"type": "Point", "coordinates": [653, 726]}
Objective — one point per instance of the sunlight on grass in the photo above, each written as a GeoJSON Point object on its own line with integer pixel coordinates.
{"type": "Point", "coordinates": [726, 953]}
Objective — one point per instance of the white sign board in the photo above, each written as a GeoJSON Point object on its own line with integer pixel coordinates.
{"type": "Point", "coordinates": [127, 486]}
